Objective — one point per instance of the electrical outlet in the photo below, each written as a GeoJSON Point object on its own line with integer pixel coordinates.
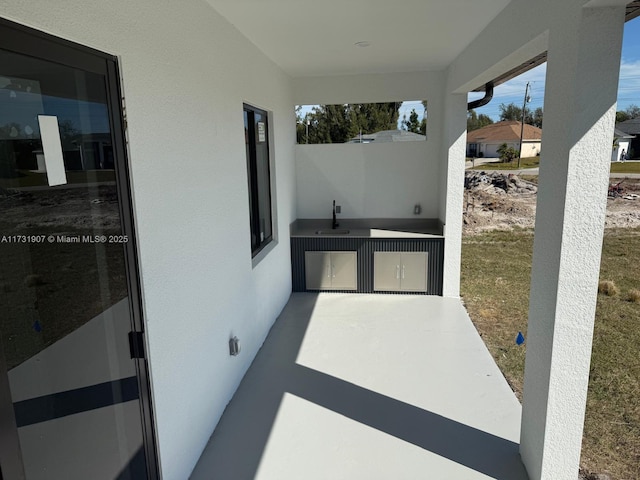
{"type": "Point", "coordinates": [234, 346]}
{"type": "Point", "coordinates": [338, 209]}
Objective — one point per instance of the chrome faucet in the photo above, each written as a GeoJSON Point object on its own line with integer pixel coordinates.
{"type": "Point", "coordinates": [335, 223]}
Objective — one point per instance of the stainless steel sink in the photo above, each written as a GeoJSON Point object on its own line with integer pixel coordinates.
{"type": "Point", "coordinates": [337, 231]}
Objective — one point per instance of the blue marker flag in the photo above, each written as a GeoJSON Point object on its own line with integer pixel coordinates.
{"type": "Point", "coordinates": [520, 338]}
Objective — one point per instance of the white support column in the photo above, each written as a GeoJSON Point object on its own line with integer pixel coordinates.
{"type": "Point", "coordinates": [452, 177]}
{"type": "Point", "coordinates": [579, 116]}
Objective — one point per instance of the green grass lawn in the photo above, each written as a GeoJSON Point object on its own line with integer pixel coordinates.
{"type": "Point", "coordinates": [496, 268]}
{"type": "Point", "coordinates": [625, 167]}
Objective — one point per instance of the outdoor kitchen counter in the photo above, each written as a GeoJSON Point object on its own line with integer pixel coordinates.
{"type": "Point", "coordinates": [359, 242]}
{"type": "Point", "coordinates": [367, 228]}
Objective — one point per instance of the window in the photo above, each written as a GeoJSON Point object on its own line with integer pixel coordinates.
{"type": "Point", "coordinates": [256, 134]}
{"type": "Point", "coordinates": [399, 121]}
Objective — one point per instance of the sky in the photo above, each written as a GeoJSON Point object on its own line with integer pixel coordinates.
{"type": "Point", "coordinates": [628, 87]}
{"type": "Point", "coordinates": [513, 90]}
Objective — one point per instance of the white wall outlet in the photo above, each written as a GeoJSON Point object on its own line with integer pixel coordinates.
{"type": "Point", "coordinates": [234, 346]}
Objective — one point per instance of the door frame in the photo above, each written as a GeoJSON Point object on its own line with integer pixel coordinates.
{"type": "Point", "coordinates": [28, 41]}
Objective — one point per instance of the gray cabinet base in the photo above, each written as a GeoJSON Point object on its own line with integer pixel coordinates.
{"type": "Point", "coordinates": [365, 247]}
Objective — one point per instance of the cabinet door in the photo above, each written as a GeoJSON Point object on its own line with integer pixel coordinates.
{"type": "Point", "coordinates": [386, 271]}
{"type": "Point", "coordinates": [344, 271]}
{"type": "Point", "coordinates": [317, 267]}
{"type": "Point", "coordinates": [413, 272]}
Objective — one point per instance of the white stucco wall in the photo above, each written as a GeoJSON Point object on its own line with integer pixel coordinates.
{"type": "Point", "coordinates": [186, 73]}
{"type": "Point", "coordinates": [580, 100]}
{"type": "Point", "coordinates": [530, 149]}
{"type": "Point", "coordinates": [374, 181]}
{"type": "Point", "coordinates": [582, 76]}
{"type": "Point", "coordinates": [451, 174]}
{"type": "Point", "coordinates": [368, 181]}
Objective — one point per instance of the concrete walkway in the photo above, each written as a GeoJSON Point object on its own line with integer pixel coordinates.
{"type": "Point", "coordinates": [353, 386]}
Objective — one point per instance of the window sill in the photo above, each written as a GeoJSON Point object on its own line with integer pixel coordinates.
{"type": "Point", "coordinates": [263, 253]}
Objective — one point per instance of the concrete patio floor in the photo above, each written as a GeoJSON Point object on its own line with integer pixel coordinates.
{"type": "Point", "coordinates": [352, 386]}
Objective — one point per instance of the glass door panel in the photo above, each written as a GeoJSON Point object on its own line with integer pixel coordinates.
{"type": "Point", "coordinates": [65, 309]}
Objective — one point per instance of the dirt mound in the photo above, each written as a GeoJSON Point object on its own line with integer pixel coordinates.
{"type": "Point", "coordinates": [499, 201]}
{"type": "Point", "coordinates": [498, 183]}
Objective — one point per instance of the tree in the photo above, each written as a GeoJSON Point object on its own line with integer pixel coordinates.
{"type": "Point", "coordinates": [413, 124]}
{"type": "Point", "coordinates": [301, 125]}
{"type": "Point", "coordinates": [632, 111]}
{"type": "Point", "coordinates": [475, 121]}
{"type": "Point", "coordinates": [536, 120]}
{"type": "Point", "coordinates": [622, 116]}
{"type": "Point", "coordinates": [512, 112]}
{"type": "Point", "coordinates": [507, 154]}
{"type": "Point", "coordinates": [340, 123]}
{"type": "Point", "coordinates": [373, 117]}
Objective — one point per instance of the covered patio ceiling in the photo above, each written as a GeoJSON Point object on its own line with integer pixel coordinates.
{"type": "Point", "coordinates": [311, 38]}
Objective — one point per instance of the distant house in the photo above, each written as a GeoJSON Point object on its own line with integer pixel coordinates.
{"type": "Point", "coordinates": [632, 128]}
{"type": "Point", "coordinates": [485, 141]}
{"type": "Point", "coordinates": [385, 136]}
{"type": "Point", "coordinates": [621, 143]}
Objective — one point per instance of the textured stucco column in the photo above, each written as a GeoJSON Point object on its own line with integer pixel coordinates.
{"type": "Point", "coordinates": [454, 148]}
{"type": "Point", "coordinates": [579, 115]}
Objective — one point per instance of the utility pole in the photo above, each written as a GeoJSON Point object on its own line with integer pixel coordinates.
{"type": "Point", "coordinates": [527, 99]}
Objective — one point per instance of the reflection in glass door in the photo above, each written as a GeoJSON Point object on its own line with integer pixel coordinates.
{"type": "Point", "coordinates": [71, 400]}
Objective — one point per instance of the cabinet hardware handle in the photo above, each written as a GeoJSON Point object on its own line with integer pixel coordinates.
{"type": "Point", "coordinates": [333, 271]}
{"type": "Point", "coordinates": [397, 272]}
{"type": "Point", "coordinates": [403, 271]}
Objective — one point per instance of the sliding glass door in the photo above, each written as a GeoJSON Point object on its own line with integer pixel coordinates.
{"type": "Point", "coordinates": [74, 400]}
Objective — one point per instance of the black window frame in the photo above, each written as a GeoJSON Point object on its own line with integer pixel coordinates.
{"type": "Point", "coordinates": [256, 210]}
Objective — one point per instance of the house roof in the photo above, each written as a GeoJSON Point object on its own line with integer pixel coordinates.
{"type": "Point", "coordinates": [507, 131]}
{"type": "Point", "coordinates": [632, 127]}
{"type": "Point", "coordinates": [620, 134]}
{"type": "Point", "coordinates": [385, 136]}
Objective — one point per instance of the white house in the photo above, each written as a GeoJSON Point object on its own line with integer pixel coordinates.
{"type": "Point", "coordinates": [621, 145]}
{"type": "Point", "coordinates": [629, 131]}
{"type": "Point", "coordinates": [199, 97]}
{"type": "Point", "coordinates": [485, 141]}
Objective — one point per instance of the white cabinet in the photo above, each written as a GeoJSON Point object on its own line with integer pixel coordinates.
{"type": "Point", "coordinates": [400, 271]}
{"type": "Point", "coordinates": [331, 270]}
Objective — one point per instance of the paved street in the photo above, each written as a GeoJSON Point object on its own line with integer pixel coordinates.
{"type": "Point", "coordinates": [530, 171]}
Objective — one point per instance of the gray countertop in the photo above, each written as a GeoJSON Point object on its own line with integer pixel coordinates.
{"type": "Point", "coordinates": [368, 228]}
